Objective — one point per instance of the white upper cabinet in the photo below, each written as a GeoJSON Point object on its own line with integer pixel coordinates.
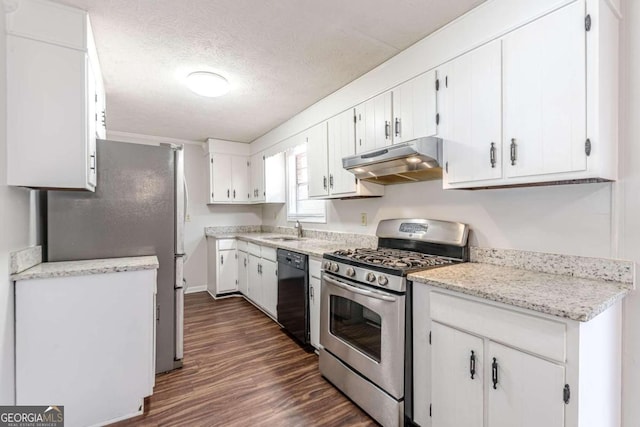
{"type": "Point", "coordinates": [341, 144]}
{"type": "Point", "coordinates": [236, 177]}
{"type": "Point", "coordinates": [327, 143]}
{"type": "Point", "coordinates": [229, 178]}
{"type": "Point", "coordinates": [55, 97]}
{"type": "Point", "coordinates": [470, 107]}
{"type": "Point", "coordinates": [414, 108]}
{"type": "Point", "coordinates": [373, 123]}
{"type": "Point", "coordinates": [545, 95]}
{"type": "Point", "coordinates": [257, 190]}
{"type": "Point", "coordinates": [318, 155]}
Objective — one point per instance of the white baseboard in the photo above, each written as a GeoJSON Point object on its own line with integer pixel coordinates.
{"type": "Point", "coordinates": [193, 289]}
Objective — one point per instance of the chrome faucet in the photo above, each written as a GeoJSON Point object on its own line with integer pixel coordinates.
{"type": "Point", "coordinates": [298, 227]}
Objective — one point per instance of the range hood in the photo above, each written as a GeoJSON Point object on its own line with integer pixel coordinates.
{"type": "Point", "coordinates": [417, 160]}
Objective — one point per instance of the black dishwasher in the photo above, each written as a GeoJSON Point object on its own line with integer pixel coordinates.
{"type": "Point", "coordinates": [293, 290]}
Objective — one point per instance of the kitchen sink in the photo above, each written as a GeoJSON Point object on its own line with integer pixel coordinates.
{"type": "Point", "coordinates": [282, 239]}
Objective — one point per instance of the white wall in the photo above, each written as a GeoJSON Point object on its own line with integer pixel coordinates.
{"type": "Point", "coordinates": [17, 231]}
{"type": "Point", "coordinates": [199, 214]}
{"type": "Point", "coordinates": [628, 214]}
{"type": "Point", "coordinates": [566, 219]}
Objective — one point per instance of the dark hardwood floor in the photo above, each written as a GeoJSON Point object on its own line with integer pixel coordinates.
{"type": "Point", "coordinates": [240, 369]}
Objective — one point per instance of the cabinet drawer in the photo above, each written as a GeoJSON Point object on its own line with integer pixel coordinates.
{"type": "Point", "coordinates": [529, 333]}
{"type": "Point", "coordinates": [243, 246]}
{"type": "Point", "coordinates": [254, 250]}
{"type": "Point", "coordinates": [269, 253]}
{"type": "Point", "coordinates": [226, 244]}
{"type": "Point", "coordinates": [315, 268]}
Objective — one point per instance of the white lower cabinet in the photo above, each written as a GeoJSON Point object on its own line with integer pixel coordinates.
{"type": "Point", "coordinates": [254, 285]}
{"type": "Point", "coordinates": [263, 278]}
{"type": "Point", "coordinates": [479, 363]}
{"type": "Point", "coordinates": [222, 268]}
{"type": "Point", "coordinates": [243, 272]}
{"type": "Point", "coordinates": [314, 302]}
{"type": "Point", "coordinates": [457, 391]}
{"type": "Point", "coordinates": [525, 390]}
{"type": "Point", "coordinates": [88, 343]}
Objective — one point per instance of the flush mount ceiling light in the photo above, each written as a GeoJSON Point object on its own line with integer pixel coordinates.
{"type": "Point", "coordinates": [208, 84]}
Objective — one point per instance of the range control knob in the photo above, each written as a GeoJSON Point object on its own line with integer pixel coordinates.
{"type": "Point", "coordinates": [371, 277]}
{"type": "Point", "coordinates": [326, 265]}
{"type": "Point", "coordinates": [350, 272]}
{"type": "Point", "coordinates": [382, 280]}
{"type": "Point", "coordinates": [335, 267]}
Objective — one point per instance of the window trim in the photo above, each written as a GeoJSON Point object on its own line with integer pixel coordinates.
{"type": "Point", "coordinates": [302, 217]}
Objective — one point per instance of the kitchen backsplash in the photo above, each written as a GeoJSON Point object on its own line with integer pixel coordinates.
{"type": "Point", "coordinates": [565, 265]}
{"type": "Point", "coordinates": [349, 239]}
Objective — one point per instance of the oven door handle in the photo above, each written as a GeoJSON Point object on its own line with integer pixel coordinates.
{"type": "Point", "coordinates": [361, 291]}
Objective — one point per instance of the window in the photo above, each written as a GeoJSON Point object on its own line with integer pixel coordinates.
{"type": "Point", "coordinates": [299, 207]}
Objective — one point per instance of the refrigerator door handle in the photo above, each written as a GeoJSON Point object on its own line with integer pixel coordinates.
{"type": "Point", "coordinates": [180, 202]}
{"type": "Point", "coordinates": [179, 324]}
{"type": "Point", "coordinates": [179, 301]}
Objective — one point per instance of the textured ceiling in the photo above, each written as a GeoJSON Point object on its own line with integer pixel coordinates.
{"type": "Point", "coordinates": [279, 55]}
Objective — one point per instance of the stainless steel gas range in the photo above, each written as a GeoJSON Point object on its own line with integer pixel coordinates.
{"type": "Point", "coordinates": [365, 318]}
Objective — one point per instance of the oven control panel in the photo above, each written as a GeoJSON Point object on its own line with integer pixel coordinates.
{"type": "Point", "coordinates": [364, 275]}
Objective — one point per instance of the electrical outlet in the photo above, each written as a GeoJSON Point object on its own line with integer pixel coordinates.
{"type": "Point", "coordinates": [363, 219]}
{"type": "Point", "coordinates": [187, 218]}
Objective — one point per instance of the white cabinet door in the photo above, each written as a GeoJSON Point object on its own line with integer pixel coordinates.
{"type": "Point", "coordinates": [314, 311]}
{"type": "Point", "coordinates": [227, 271]}
{"type": "Point", "coordinates": [471, 115]}
{"type": "Point", "coordinates": [457, 394]}
{"type": "Point", "coordinates": [93, 122]}
{"type": "Point", "coordinates": [220, 178]}
{"type": "Point", "coordinates": [341, 144]}
{"type": "Point", "coordinates": [373, 123]}
{"type": "Point", "coordinates": [243, 273]}
{"type": "Point", "coordinates": [47, 116]}
{"type": "Point", "coordinates": [254, 285]}
{"type": "Point", "coordinates": [240, 179]}
{"type": "Point", "coordinates": [257, 188]}
{"type": "Point", "coordinates": [528, 391]}
{"type": "Point", "coordinates": [545, 95]}
{"type": "Point", "coordinates": [414, 108]}
{"type": "Point", "coordinates": [269, 279]}
{"type": "Point", "coordinates": [274, 179]}
{"type": "Point", "coordinates": [318, 164]}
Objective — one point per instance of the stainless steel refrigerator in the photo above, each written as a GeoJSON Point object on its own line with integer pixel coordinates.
{"type": "Point", "coordinates": [138, 209]}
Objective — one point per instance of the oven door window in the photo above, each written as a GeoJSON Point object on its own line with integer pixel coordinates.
{"type": "Point", "coordinates": [356, 325]}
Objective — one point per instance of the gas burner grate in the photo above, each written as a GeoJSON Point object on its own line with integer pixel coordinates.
{"type": "Point", "coordinates": [392, 258]}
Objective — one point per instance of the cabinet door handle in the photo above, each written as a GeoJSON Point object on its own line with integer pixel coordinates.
{"type": "Point", "coordinates": [311, 292]}
{"type": "Point", "coordinates": [331, 181]}
{"type": "Point", "coordinates": [221, 259]}
{"type": "Point", "coordinates": [397, 126]}
{"type": "Point", "coordinates": [513, 152]}
{"type": "Point", "coordinates": [472, 364]}
{"type": "Point", "coordinates": [93, 162]}
{"type": "Point", "coordinates": [234, 194]}
{"type": "Point", "coordinates": [227, 194]}
{"type": "Point", "coordinates": [494, 373]}
{"type": "Point", "coordinates": [245, 262]}
{"type": "Point", "coordinates": [492, 154]}
{"type": "Point", "coordinates": [387, 129]}
{"type": "Point", "coordinates": [324, 182]}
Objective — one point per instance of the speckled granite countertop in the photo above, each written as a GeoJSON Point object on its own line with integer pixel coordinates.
{"type": "Point", "coordinates": [307, 246]}
{"type": "Point", "coordinates": [82, 268]}
{"type": "Point", "coordinates": [563, 296]}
